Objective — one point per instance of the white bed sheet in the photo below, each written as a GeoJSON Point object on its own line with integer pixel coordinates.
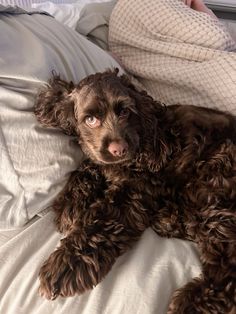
{"type": "Point", "coordinates": [141, 281]}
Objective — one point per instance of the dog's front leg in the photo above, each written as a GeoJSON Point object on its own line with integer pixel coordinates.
{"type": "Point", "coordinates": [87, 254]}
{"type": "Point", "coordinates": [83, 188]}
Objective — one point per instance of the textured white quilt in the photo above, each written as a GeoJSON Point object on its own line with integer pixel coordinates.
{"type": "Point", "coordinates": [178, 54]}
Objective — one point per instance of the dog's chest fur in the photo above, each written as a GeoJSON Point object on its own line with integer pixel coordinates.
{"type": "Point", "coordinates": [168, 193]}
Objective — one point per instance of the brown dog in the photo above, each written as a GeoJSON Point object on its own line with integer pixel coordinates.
{"type": "Point", "coordinates": [169, 168]}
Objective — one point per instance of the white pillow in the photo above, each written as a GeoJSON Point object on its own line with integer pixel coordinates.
{"type": "Point", "coordinates": [34, 161]}
{"type": "Point", "coordinates": [66, 13]}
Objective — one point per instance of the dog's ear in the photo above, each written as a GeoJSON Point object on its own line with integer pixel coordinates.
{"type": "Point", "coordinates": [54, 107]}
{"type": "Point", "coordinates": [146, 106]}
{"type": "Point", "coordinates": [153, 119]}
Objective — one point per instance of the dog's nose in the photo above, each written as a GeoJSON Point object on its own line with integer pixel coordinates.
{"type": "Point", "coordinates": [118, 149]}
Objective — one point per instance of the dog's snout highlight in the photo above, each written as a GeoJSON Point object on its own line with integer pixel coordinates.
{"type": "Point", "coordinates": [118, 148]}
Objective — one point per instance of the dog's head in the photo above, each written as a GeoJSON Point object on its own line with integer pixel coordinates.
{"type": "Point", "coordinates": [105, 111]}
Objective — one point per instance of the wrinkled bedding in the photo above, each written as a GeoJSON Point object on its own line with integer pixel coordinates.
{"type": "Point", "coordinates": [35, 162]}
{"type": "Point", "coordinates": [140, 282]}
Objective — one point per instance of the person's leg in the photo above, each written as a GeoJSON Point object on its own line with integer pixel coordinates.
{"type": "Point", "coordinates": [200, 6]}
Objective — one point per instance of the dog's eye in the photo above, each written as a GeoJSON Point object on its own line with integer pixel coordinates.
{"type": "Point", "coordinates": [92, 121]}
{"type": "Point", "coordinates": [124, 113]}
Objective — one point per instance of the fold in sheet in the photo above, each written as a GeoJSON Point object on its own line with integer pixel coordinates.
{"type": "Point", "coordinates": [141, 281]}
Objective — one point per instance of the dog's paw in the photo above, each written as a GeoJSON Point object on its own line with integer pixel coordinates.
{"type": "Point", "coordinates": [200, 297]}
{"type": "Point", "coordinates": [70, 272]}
{"type": "Point", "coordinates": [180, 305]}
{"type": "Point", "coordinates": [56, 276]}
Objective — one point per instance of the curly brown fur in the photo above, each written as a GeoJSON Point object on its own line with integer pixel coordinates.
{"type": "Point", "coordinates": [169, 168]}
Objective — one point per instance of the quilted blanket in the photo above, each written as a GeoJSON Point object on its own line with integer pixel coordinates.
{"type": "Point", "coordinates": [178, 54]}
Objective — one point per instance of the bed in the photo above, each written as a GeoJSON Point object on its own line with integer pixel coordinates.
{"type": "Point", "coordinates": [35, 163]}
